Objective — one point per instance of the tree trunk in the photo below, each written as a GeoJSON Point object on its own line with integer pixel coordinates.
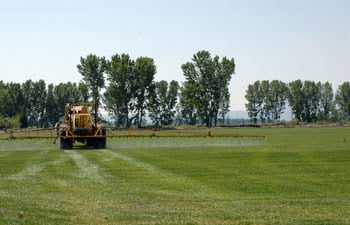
{"type": "Point", "coordinates": [207, 121]}
{"type": "Point", "coordinates": [223, 118]}
{"type": "Point", "coordinates": [216, 117]}
{"type": "Point", "coordinates": [96, 111]}
{"type": "Point", "coordinates": [126, 114]}
{"type": "Point", "coordinates": [140, 117]}
{"type": "Point", "coordinates": [97, 101]}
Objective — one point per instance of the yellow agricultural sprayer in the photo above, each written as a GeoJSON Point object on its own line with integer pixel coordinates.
{"type": "Point", "coordinates": [79, 126]}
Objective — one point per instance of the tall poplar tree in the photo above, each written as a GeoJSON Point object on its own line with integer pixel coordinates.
{"type": "Point", "coordinates": [187, 111]}
{"type": "Point", "coordinates": [278, 98]}
{"type": "Point", "coordinates": [144, 71]}
{"type": "Point", "coordinates": [295, 98]}
{"type": "Point", "coordinates": [255, 101]}
{"type": "Point", "coordinates": [92, 69]}
{"type": "Point", "coordinates": [326, 101]}
{"type": "Point", "coordinates": [120, 92]}
{"type": "Point", "coordinates": [162, 102]}
{"type": "Point", "coordinates": [343, 99]}
{"type": "Point", "coordinates": [207, 78]}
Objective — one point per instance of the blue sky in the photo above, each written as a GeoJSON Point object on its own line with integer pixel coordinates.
{"type": "Point", "coordinates": [272, 39]}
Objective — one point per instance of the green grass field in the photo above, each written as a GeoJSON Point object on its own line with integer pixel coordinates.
{"type": "Point", "coordinates": [296, 176]}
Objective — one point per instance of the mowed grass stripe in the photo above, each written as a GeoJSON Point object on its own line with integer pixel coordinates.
{"type": "Point", "coordinates": [129, 198]}
{"type": "Point", "coordinates": [300, 173]}
{"type": "Point", "coordinates": [21, 160]}
{"type": "Point", "coordinates": [4, 155]}
{"type": "Point", "coordinates": [195, 188]}
{"type": "Point", "coordinates": [85, 168]}
{"type": "Point", "coordinates": [131, 160]}
{"type": "Point", "coordinates": [33, 198]}
{"type": "Point", "coordinates": [32, 170]}
{"type": "Point", "coordinates": [33, 167]}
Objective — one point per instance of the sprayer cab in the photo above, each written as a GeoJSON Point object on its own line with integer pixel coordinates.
{"type": "Point", "coordinates": [80, 116]}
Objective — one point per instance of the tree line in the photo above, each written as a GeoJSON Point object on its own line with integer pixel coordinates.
{"type": "Point", "coordinates": [130, 92]}
{"type": "Point", "coordinates": [308, 100]}
{"type": "Point", "coordinates": [33, 103]}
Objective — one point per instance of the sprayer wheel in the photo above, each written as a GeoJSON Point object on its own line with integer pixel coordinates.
{"type": "Point", "coordinates": [65, 143]}
{"type": "Point", "coordinates": [102, 142]}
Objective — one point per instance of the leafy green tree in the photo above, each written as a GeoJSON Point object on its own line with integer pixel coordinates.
{"type": "Point", "coordinates": [153, 105]}
{"type": "Point", "coordinates": [311, 101]}
{"type": "Point", "coordinates": [83, 92]}
{"type": "Point", "coordinates": [326, 101]}
{"type": "Point", "coordinates": [144, 71]}
{"type": "Point", "coordinates": [343, 99]}
{"type": "Point", "coordinates": [336, 114]}
{"type": "Point", "coordinates": [10, 122]}
{"type": "Point", "coordinates": [172, 98]}
{"type": "Point", "coordinates": [265, 112]}
{"type": "Point", "coordinates": [120, 92]}
{"type": "Point", "coordinates": [267, 99]}
{"type": "Point", "coordinates": [29, 115]}
{"type": "Point", "coordinates": [224, 104]}
{"type": "Point", "coordinates": [29, 102]}
{"type": "Point", "coordinates": [255, 101]}
{"type": "Point", "coordinates": [39, 90]}
{"type": "Point", "coordinates": [187, 111]}
{"type": "Point", "coordinates": [295, 98]}
{"type": "Point", "coordinates": [223, 71]}
{"type": "Point", "coordinates": [304, 99]}
{"type": "Point", "coordinates": [92, 69]}
{"type": "Point", "coordinates": [13, 100]}
{"type": "Point", "coordinates": [74, 96]}
{"type": "Point", "coordinates": [34, 94]}
{"type": "Point", "coordinates": [62, 96]}
{"type": "Point", "coordinates": [162, 102]}
{"type": "Point", "coordinates": [207, 78]}
{"type": "Point", "coordinates": [178, 120]}
{"type": "Point", "coordinates": [52, 116]}
{"type": "Point", "coordinates": [278, 98]}
{"type": "Point", "coordinates": [2, 98]}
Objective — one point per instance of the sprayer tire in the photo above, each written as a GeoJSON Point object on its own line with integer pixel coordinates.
{"type": "Point", "coordinates": [65, 143]}
{"type": "Point", "coordinates": [90, 142]}
{"type": "Point", "coordinates": [102, 143]}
